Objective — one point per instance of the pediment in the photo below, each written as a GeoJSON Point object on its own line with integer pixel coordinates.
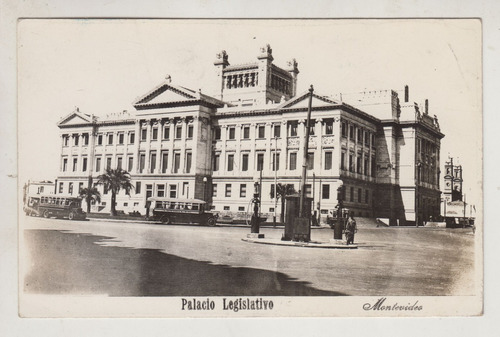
{"type": "Point", "coordinates": [75, 118]}
{"type": "Point", "coordinates": [166, 93]}
{"type": "Point", "coordinates": [302, 101]}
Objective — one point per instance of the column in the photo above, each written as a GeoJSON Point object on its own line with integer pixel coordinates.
{"type": "Point", "coordinates": [222, 162]}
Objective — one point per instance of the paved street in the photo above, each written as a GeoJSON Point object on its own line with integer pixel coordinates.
{"type": "Point", "coordinates": [133, 259]}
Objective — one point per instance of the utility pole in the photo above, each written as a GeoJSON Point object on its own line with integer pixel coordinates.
{"type": "Point", "coordinates": [275, 179]}
{"type": "Point", "coordinates": [306, 150]}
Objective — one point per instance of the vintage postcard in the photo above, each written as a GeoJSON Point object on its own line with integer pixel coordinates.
{"type": "Point", "coordinates": [250, 168]}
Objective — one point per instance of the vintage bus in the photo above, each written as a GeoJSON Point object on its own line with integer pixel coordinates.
{"type": "Point", "coordinates": [54, 205]}
{"type": "Point", "coordinates": [181, 211]}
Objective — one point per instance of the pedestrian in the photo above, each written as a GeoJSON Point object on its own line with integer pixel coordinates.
{"type": "Point", "coordinates": [350, 229]}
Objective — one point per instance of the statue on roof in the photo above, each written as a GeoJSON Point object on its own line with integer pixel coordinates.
{"type": "Point", "coordinates": [266, 49]}
{"type": "Point", "coordinates": [222, 55]}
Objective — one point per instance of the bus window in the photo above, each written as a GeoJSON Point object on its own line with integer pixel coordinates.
{"type": "Point", "coordinates": [189, 205]}
{"type": "Point", "coordinates": [158, 204]}
{"type": "Point", "coordinates": [195, 207]}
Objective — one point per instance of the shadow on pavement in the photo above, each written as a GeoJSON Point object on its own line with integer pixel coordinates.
{"type": "Point", "coordinates": [70, 263]}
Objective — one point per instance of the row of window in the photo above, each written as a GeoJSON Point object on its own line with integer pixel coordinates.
{"type": "Point", "coordinates": [357, 134]}
{"type": "Point", "coordinates": [109, 138]}
{"type": "Point", "coordinates": [275, 162]}
{"type": "Point", "coordinates": [228, 190]}
{"type": "Point", "coordinates": [358, 164]}
{"type": "Point", "coordinates": [292, 128]}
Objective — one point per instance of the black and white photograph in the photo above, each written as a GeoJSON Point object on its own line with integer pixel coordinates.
{"type": "Point", "coordinates": [250, 168]}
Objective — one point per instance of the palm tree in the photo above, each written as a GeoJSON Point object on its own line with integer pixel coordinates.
{"type": "Point", "coordinates": [90, 194]}
{"type": "Point", "coordinates": [114, 181]}
{"type": "Point", "coordinates": [282, 190]}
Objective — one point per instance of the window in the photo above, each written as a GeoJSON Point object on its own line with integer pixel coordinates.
{"type": "Point", "coordinates": [70, 188]}
{"type": "Point", "coordinates": [75, 164]}
{"type": "Point", "coordinates": [66, 140]}
{"type": "Point", "coordinates": [373, 139]}
{"type": "Point", "coordinates": [359, 194]}
{"type": "Point", "coordinates": [166, 131]}
{"type": "Point", "coordinates": [65, 164]}
{"type": "Point", "coordinates": [108, 162]}
{"type": "Point", "coordinates": [293, 129]}
{"type": "Point", "coordinates": [351, 132]}
{"type": "Point", "coordinates": [125, 204]}
{"type": "Point", "coordinates": [260, 161]}
{"type": "Point", "coordinates": [241, 208]}
{"type": "Point", "coordinates": [351, 162]}
{"type": "Point", "coordinates": [138, 187]}
{"type": "Point", "coordinates": [131, 137]}
{"type": "Point", "coordinates": [142, 162]}
{"type": "Point", "coordinates": [177, 162]}
{"type": "Point", "coordinates": [276, 161]}
{"type": "Point", "coordinates": [214, 190]}
{"type": "Point", "coordinates": [261, 131]}
{"type": "Point", "coordinates": [367, 193]}
{"type": "Point", "coordinates": [173, 191]}
{"type": "Point", "coordinates": [98, 164]}
{"type": "Point", "coordinates": [310, 161]}
{"type": "Point", "coordinates": [277, 131]}
{"type": "Point", "coordinates": [152, 163]}
{"type": "Point", "coordinates": [216, 161]}
{"type": "Point", "coordinates": [110, 139]}
{"type": "Point", "coordinates": [360, 136]}
{"type": "Point", "coordinates": [99, 139]}
{"type": "Point", "coordinates": [232, 132]}
{"type": "Point", "coordinates": [178, 132]}
{"type": "Point", "coordinates": [185, 189]}
{"type": "Point", "coordinates": [293, 161]}
{"type": "Point", "coordinates": [308, 189]}
{"type": "Point", "coordinates": [365, 166]}
{"type": "Point", "coordinates": [273, 188]}
{"type": "Point", "coordinates": [130, 163]}
{"type": "Point", "coordinates": [164, 162]}
{"type": "Point", "coordinates": [61, 187]}
{"type": "Point", "coordinates": [75, 139]}
{"type": "Point", "coordinates": [373, 167]}
{"type": "Point", "coordinates": [358, 164]}
{"type": "Point", "coordinates": [85, 139]}
{"type": "Point", "coordinates": [105, 190]}
{"type": "Point", "coordinates": [189, 159]}
{"type": "Point", "coordinates": [312, 128]}
{"type": "Point", "coordinates": [144, 134]}
{"type": "Point", "coordinates": [121, 138]}
{"type": "Point", "coordinates": [351, 196]}
{"type": "Point", "coordinates": [226, 208]}
{"type": "Point", "coordinates": [119, 162]}
{"type": "Point", "coordinates": [328, 160]}
{"type": "Point", "coordinates": [246, 132]}
{"type": "Point", "coordinates": [190, 131]}
{"type": "Point", "coordinates": [325, 191]}
{"type": "Point", "coordinates": [84, 165]}
{"type": "Point", "coordinates": [228, 190]}
{"type": "Point", "coordinates": [329, 128]}
{"type": "Point", "coordinates": [342, 160]}
{"type": "Point", "coordinates": [80, 187]}
{"type": "Point", "coordinates": [154, 133]}
{"type": "Point", "coordinates": [244, 162]}
{"type": "Point", "coordinates": [344, 129]}
{"type": "Point", "coordinates": [243, 190]}
{"type": "Point", "coordinates": [160, 190]}
{"type": "Point", "coordinates": [367, 138]}
{"type": "Point", "coordinates": [217, 133]}
{"type": "Point", "coordinates": [230, 162]}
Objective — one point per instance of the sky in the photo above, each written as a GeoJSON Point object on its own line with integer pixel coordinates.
{"type": "Point", "coordinates": [102, 66]}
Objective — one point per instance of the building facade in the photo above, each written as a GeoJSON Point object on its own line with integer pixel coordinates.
{"type": "Point", "coordinates": [183, 143]}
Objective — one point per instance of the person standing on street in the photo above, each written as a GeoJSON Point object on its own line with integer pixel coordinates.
{"type": "Point", "coordinates": [350, 229]}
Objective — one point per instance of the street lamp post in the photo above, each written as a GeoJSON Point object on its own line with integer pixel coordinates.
{"type": "Point", "coordinates": [205, 179]}
{"type": "Point", "coordinates": [255, 221]}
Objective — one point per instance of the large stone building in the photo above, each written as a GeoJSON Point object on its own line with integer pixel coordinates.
{"type": "Point", "coordinates": [179, 142]}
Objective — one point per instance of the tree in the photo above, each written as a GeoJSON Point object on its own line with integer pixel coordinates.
{"type": "Point", "coordinates": [90, 194]}
{"type": "Point", "coordinates": [282, 190]}
{"type": "Point", "coordinates": [114, 181]}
